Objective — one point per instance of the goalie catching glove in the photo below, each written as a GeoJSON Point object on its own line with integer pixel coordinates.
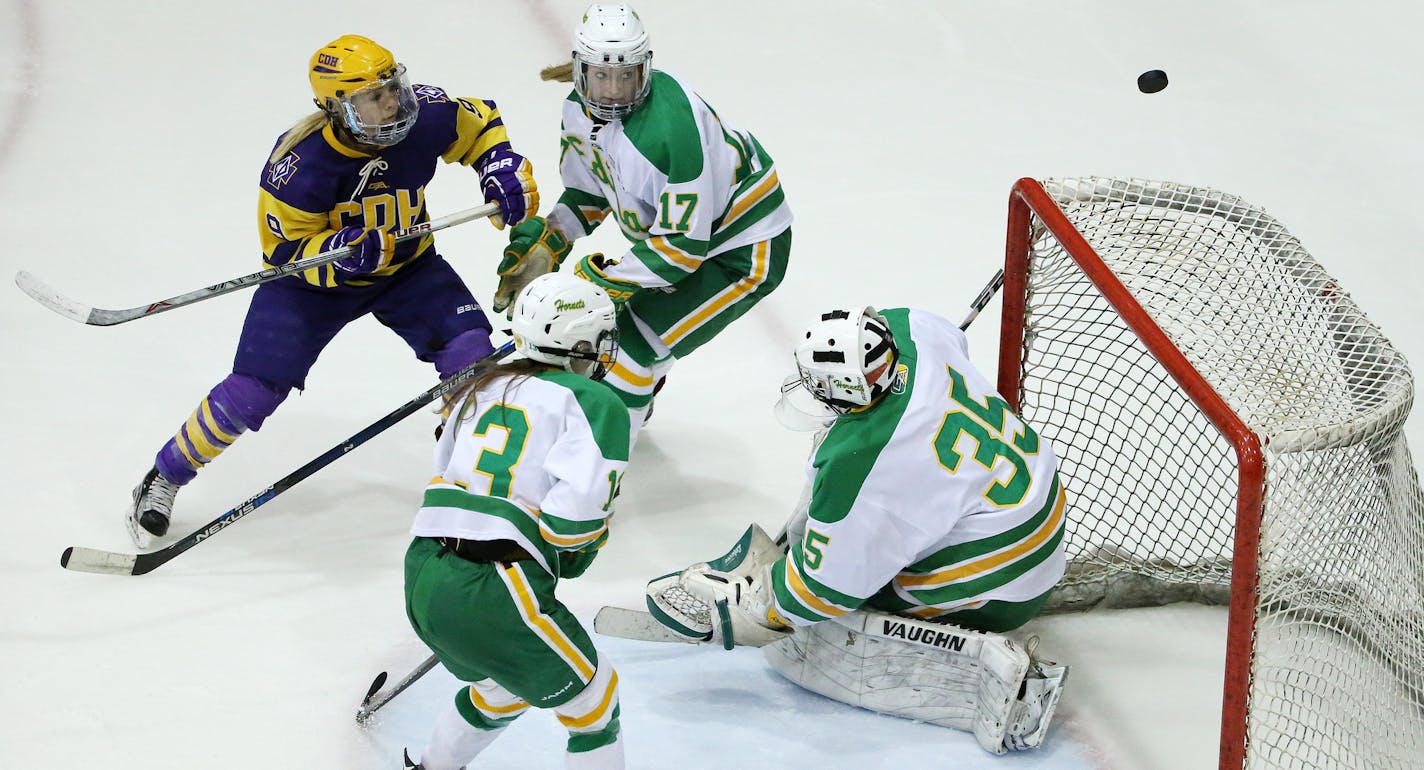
{"type": "Point", "coordinates": [594, 269]}
{"type": "Point", "coordinates": [534, 249]}
{"type": "Point", "coordinates": [727, 600]}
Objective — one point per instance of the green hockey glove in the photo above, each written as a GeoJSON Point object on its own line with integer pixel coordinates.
{"type": "Point", "coordinates": [534, 249]}
{"type": "Point", "coordinates": [592, 269]}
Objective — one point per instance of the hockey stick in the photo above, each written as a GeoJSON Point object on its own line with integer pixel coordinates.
{"type": "Point", "coordinates": [111, 563]}
{"type": "Point", "coordinates": [371, 704]}
{"type": "Point", "coordinates": [635, 624]}
{"type": "Point", "coordinates": [985, 294]}
{"type": "Point", "coordinates": [75, 310]}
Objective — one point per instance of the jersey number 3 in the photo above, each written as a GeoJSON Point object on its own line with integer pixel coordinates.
{"type": "Point", "coordinates": [498, 463]}
{"type": "Point", "coordinates": [984, 423]}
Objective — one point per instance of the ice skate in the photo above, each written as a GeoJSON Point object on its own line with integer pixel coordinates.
{"type": "Point", "coordinates": [152, 508]}
{"type": "Point", "coordinates": [413, 765]}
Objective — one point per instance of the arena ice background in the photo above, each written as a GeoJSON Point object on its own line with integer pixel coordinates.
{"type": "Point", "coordinates": [131, 137]}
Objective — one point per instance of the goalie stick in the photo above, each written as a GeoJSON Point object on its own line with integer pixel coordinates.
{"type": "Point", "coordinates": [373, 703]}
{"type": "Point", "coordinates": [75, 310]}
{"type": "Point", "coordinates": [112, 563]}
{"type": "Point", "coordinates": [641, 626]}
{"type": "Point", "coordinates": [985, 294]}
{"type": "Point", "coordinates": [635, 624]}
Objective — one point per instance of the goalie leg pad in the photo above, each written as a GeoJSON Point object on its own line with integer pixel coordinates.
{"type": "Point", "coordinates": [1028, 721]}
{"type": "Point", "coordinates": [942, 674]}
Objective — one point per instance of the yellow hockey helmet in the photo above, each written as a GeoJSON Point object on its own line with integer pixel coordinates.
{"type": "Point", "coordinates": [364, 89]}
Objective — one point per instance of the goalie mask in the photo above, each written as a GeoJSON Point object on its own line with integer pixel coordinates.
{"type": "Point", "coordinates": [566, 322]}
{"type": "Point", "coordinates": [847, 359]}
{"type": "Point", "coordinates": [362, 88]}
{"type": "Point", "coordinates": [612, 61]}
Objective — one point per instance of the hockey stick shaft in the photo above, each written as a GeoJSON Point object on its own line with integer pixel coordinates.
{"type": "Point", "coordinates": [111, 563]}
{"type": "Point", "coordinates": [94, 316]}
{"type": "Point", "coordinates": [373, 702]}
{"type": "Point", "coordinates": [981, 301]}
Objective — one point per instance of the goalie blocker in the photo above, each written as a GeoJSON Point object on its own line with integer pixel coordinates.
{"type": "Point", "coordinates": [983, 683]}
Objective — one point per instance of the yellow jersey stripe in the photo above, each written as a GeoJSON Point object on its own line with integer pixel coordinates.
{"type": "Point", "coordinates": [798, 587]}
{"type": "Point", "coordinates": [764, 188]}
{"type": "Point", "coordinates": [570, 540]}
{"type": "Point", "coordinates": [627, 375]}
{"type": "Point", "coordinates": [728, 296]}
{"type": "Point", "coordinates": [929, 613]}
{"type": "Point", "coordinates": [672, 253]}
{"type": "Point", "coordinates": [542, 626]}
{"type": "Point", "coordinates": [593, 215]}
{"type": "Point", "coordinates": [992, 561]}
{"type": "Point", "coordinates": [599, 712]}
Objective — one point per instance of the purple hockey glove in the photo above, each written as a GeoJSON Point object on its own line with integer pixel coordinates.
{"type": "Point", "coordinates": [508, 179]}
{"type": "Point", "coordinates": [372, 249]}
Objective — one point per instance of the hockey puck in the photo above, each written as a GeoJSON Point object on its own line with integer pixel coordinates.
{"type": "Point", "coordinates": [1151, 81]}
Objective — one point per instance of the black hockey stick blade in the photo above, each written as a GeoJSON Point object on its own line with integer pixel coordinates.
{"type": "Point", "coordinates": [373, 702]}
{"type": "Point", "coordinates": [376, 685]}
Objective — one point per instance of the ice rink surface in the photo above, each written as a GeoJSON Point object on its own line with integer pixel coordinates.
{"type": "Point", "coordinates": [131, 137]}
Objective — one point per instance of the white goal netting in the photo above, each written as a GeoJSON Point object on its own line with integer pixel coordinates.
{"type": "Point", "coordinates": [1158, 435]}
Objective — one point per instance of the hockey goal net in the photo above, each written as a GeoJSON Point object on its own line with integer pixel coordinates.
{"type": "Point", "coordinates": [1230, 428]}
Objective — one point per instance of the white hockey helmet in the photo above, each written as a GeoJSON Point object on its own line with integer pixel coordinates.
{"type": "Point", "coordinates": [848, 358]}
{"type": "Point", "coordinates": [566, 322]}
{"type": "Point", "coordinates": [612, 60]}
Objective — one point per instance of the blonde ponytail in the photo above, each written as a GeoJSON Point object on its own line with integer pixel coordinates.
{"type": "Point", "coordinates": [303, 128]}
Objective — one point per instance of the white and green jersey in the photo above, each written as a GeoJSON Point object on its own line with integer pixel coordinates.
{"type": "Point", "coordinates": [936, 498]}
{"type": "Point", "coordinates": [683, 185]}
{"type": "Point", "coordinates": [536, 460]}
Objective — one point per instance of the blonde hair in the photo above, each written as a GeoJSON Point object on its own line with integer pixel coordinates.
{"type": "Point", "coordinates": [299, 131]}
{"type": "Point", "coordinates": [516, 371]}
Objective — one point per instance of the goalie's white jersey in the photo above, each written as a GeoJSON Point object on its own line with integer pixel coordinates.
{"type": "Point", "coordinates": [536, 460]}
{"type": "Point", "coordinates": [682, 184]}
{"type": "Point", "coordinates": [934, 499]}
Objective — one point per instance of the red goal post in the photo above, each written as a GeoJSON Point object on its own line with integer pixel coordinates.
{"type": "Point", "coordinates": [1230, 428]}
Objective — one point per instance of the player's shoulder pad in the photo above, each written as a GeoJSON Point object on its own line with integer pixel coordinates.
{"type": "Point", "coordinates": [428, 94]}
{"type": "Point", "coordinates": [307, 176]}
{"type": "Point", "coordinates": [664, 129]}
{"type": "Point", "coordinates": [606, 415]}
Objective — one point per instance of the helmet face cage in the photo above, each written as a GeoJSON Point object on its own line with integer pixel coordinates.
{"type": "Point", "coordinates": [591, 359]}
{"type": "Point", "coordinates": [847, 359]}
{"type": "Point", "coordinates": [380, 112]}
{"type": "Point", "coordinates": [612, 91]}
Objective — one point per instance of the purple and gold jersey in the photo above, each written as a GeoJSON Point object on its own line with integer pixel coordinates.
{"type": "Point", "coordinates": [322, 185]}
